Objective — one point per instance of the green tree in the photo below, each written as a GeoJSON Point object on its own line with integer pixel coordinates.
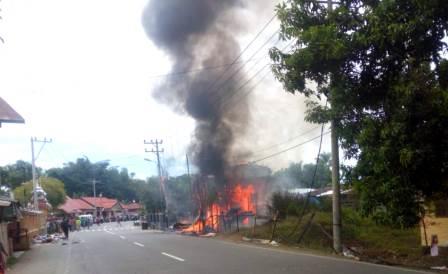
{"type": "Point", "coordinates": [78, 177]}
{"type": "Point", "coordinates": [301, 175]}
{"type": "Point", "coordinates": [53, 187]}
{"type": "Point", "coordinates": [381, 62]}
{"type": "Point", "coordinates": [148, 193]}
{"type": "Point", "coordinates": [15, 174]}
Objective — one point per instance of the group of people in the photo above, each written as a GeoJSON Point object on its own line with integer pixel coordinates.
{"type": "Point", "coordinates": [75, 224]}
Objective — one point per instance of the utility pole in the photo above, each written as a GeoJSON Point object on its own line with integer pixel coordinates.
{"type": "Point", "coordinates": [94, 181]}
{"type": "Point", "coordinates": [189, 184]}
{"type": "Point", "coordinates": [33, 164]}
{"type": "Point", "coordinates": [188, 173]}
{"type": "Point", "coordinates": [157, 151]}
{"type": "Point", "coordinates": [337, 245]}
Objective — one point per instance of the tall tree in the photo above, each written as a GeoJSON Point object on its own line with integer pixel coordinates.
{"type": "Point", "coordinates": [301, 175]}
{"type": "Point", "coordinates": [53, 187]}
{"type": "Point", "coordinates": [15, 174]}
{"type": "Point", "coordinates": [381, 61]}
{"type": "Point", "coordinates": [78, 177]}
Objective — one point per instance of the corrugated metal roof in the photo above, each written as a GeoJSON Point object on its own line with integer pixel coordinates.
{"type": "Point", "coordinates": [8, 114]}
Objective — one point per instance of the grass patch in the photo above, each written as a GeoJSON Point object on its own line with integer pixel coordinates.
{"type": "Point", "coordinates": [363, 234]}
{"type": "Point", "coordinates": [11, 261]}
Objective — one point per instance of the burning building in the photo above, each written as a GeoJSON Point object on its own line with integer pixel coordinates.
{"type": "Point", "coordinates": [237, 202]}
{"type": "Point", "coordinates": [202, 34]}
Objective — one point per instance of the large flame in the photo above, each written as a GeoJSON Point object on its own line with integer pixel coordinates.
{"type": "Point", "coordinates": [241, 199]}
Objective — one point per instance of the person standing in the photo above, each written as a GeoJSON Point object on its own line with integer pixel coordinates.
{"type": "Point", "coordinates": [65, 227]}
{"type": "Point", "coordinates": [78, 224]}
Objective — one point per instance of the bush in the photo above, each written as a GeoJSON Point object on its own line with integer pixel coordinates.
{"type": "Point", "coordinates": [286, 204]}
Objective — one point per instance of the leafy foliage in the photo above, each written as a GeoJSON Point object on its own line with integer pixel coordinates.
{"type": "Point", "coordinates": [15, 174]}
{"type": "Point", "coordinates": [285, 204]}
{"type": "Point", "coordinates": [53, 187]}
{"type": "Point", "coordinates": [301, 175]}
{"type": "Point", "coordinates": [381, 64]}
{"type": "Point", "coordinates": [77, 177]}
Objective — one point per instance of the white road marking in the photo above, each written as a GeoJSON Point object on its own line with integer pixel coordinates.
{"type": "Point", "coordinates": [123, 237]}
{"type": "Point", "coordinates": [107, 231]}
{"type": "Point", "coordinates": [139, 244]}
{"type": "Point", "coordinates": [173, 257]}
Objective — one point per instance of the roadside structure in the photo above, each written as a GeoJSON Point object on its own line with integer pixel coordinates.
{"type": "Point", "coordinates": [133, 209]}
{"type": "Point", "coordinates": [435, 223]}
{"type": "Point", "coordinates": [8, 114]}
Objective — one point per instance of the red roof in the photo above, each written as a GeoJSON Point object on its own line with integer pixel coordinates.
{"type": "Point", "coordinates": [100, 201]}
{"type": "Point", "coordinates": [8, 114]}
{"type": "Point", "coordinates": [74, 205]}
{"type": "Point", "coordinates": [131, 206]}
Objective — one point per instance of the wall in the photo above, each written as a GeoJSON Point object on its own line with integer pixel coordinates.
{"type": "Point", "coordinates": [435, 226]}
{"type": "Point", "coordinates": [33, 223]}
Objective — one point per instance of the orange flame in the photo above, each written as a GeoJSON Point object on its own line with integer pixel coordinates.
{"type": "Point", "coordinates": [241, 198]}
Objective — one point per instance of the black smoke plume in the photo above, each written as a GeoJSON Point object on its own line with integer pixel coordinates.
{"type": "Point", "coordinates": [197, 34]}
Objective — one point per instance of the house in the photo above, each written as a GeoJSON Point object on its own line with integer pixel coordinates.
{"type": "Point", "coordinates": [76, 207]}
{"type": "Point", "coordinates": [106, 208]}
{"type": "Point", "coordinates": [132, 209]}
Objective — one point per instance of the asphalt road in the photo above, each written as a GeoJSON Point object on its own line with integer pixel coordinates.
{"type": "Point", "coordinates": [116, 250]}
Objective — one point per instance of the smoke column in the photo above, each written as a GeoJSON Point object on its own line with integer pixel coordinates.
{"type": "Point", "coordinates": [197, 34]}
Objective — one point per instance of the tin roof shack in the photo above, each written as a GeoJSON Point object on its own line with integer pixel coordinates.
{"type": "Point", "coordinates": [259, 178]}
{"type": "Point", "coordinates": [9, 213]}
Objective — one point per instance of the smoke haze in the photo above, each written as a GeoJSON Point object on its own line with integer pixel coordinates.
{"type": "Point", "coordinates": [201, 33]}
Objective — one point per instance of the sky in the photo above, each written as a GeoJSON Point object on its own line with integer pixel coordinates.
{"type": "Point", "coordinates": [82, 73]}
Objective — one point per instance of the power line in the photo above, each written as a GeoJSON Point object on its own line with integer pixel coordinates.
{"type": "Point", "coordinates": [288, 149]}
{"type": "Point", "coordinates": [244, 63]}
{"type": "Point", "coordinates": [250, 79]}
{"type": "Point", "coordinates": [286, 141]}
{"type": "Point", "coordinates": [244, 50]}
{"type": "Point", "coordinates": [181, 73]}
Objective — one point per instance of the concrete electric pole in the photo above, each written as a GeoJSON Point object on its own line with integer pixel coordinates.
{"type": "Point", "coordinates": [94, 181]}
{"type": "Point", "coordinates": [337, 242]}
{"type": "Point", "coordinates": [33, 164]}
{"type": "Point", "coordinates": [157, 151]}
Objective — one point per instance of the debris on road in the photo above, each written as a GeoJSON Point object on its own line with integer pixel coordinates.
{"type": "Point", "coordinates": [48, 238]}
{"type": "Point", "coordinates": [261, 241]}
{"type": "Point", "coordinates": [348, 252]}
{"type": "Point", "coordinates": [208, 235]}
{"type": "Point", "coordinates": [439, 268]}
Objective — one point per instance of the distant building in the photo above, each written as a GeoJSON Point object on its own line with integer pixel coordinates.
{"type": "Point", "coordinates": [106, 208]}
{"type": "Point", "coordinates": [76, 207]}
{"type": "Point", "coordinates": [132, 209]}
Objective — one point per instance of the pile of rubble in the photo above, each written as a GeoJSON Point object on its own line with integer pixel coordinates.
{"type": "Point", "coordinates": [48, 238]}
